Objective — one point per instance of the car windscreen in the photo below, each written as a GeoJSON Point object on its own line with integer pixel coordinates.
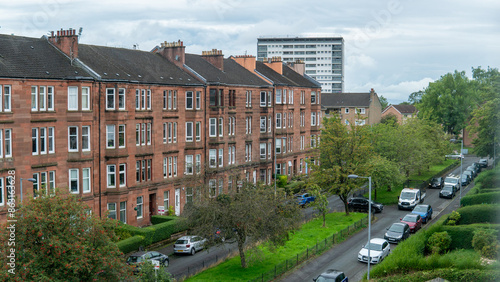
{"type": "Point", "coordinates": [420, 209]}
{"type": "Point", "coordinates": [324, 279]}
{"type": "Point", "coordinates": [134, 259]}
{"type": "Point", "coordinates": [451, 180]}
{"type": "Point", "coordinates": [410, 218]}
{"type": "Point", "coordinates": [374, 246]}
{"type": "Point", "coordinates": [181, 242]}
{"type": "Point", "coordinates": [407, 196]}
{"type": "Point", "coordinates": [399, 228]}
{"type": "Point", "coordinates": [448, 188]}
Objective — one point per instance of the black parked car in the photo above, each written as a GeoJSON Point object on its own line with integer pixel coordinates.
{"type": "Point", "coordinates": [331, 275]}
{"type": "Point", "coordinates": [361, 204]}
{"type": "Point", "coordinates": [483, 163]}
{"type": "Point", "coordinates": [397, 232]}
{"type": "Point", "coordinates": [436, 182]}
{"type": "Point", "coordinates": [447, 192]}
{"type": "Point", "coordinates": [466, 179]}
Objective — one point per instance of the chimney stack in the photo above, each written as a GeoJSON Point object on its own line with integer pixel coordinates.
{"type": "Point", "coordinates": [246, 61]}
{"type": "Point", "coordinates": [298, 66]}
{"type": "Point", "coordinates": [275, 63]}
{"type": "Point", "coordinates": [214, 57]}
{"type": "Point", "coordinates": [66, 41]}
{"type": "Point", "coordinates": [174, 52]}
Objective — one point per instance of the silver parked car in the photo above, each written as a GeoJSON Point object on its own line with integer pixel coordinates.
{"type": "Point", "coordinates": [189, 244]}
{"type": "Point", "coordinates": [379, 249]}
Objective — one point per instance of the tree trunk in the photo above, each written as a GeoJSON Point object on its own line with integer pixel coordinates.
{"type": "Point", "coordinates": [346, 206]}
{"type": "Point", "coordinates": [324, 219]}
{"type": "Point", "coordinates": [242, 251]}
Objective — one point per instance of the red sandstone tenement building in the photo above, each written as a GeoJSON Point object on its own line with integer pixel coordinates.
{"type": "Point", "coordinates": [129, 130]}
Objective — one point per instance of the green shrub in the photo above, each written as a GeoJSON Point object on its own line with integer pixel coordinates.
{"type": "Point", "coordinates": [485, 242]}
{"type": "Point", "coordinates": [282, 181]}
{"type": "Point", "coordinates": [482, 198]}
{"type": "Point", "coordinates": [156, 219]}
{"type": "Point", "coordinates": [461, 236]}
{"type": "Point", "coordinates": [439, 242]}
{"type": "Point", "coordinates": [295, 187]}
{"type": "Point", "coordinates": [122, 234]}
{"type": "Point", "coordinates": [131, 244]}
{"type": "Point", "coordinates": [459, 275]}
{"type": "Point", "coordinates": [453, 218]}
{"type": "Point", "coordinates": [487, 213]}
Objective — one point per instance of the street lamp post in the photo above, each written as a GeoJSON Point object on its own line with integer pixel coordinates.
{"type": "Point", "coordinates": [461, 160]}
{"type": "Point", "coordinates": [30, 180]}
{"type": "Point", "coordinates": [354, 176]}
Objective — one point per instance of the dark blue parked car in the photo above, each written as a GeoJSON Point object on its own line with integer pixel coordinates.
{"type": "Point", "coordinates": [425, 212]}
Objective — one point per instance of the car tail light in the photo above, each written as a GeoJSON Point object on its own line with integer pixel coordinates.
{"type": "Point", "coordinates": [187, 246]}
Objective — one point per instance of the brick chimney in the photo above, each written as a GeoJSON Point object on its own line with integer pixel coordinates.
{"type": "Point", "coordinates": [173, 51]}
{"type": "Point", "coordinates": [275, 63]}
{"type": "Point", "coordinates": [215, 57]}
{"type": "Point", "coordinates": [66, 41]}
{"type": "Point", "coordinates": [298, 66]}
{"type": "Point", "coordinates": [246, 61]}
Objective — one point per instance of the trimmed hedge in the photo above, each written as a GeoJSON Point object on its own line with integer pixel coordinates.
{"type": "Point", "coordinates": [461, 236]}
{"type": "Point", "coordinates": [131, 244]}
{"type": "Point", "coordinates": [479, 214]}
{"type": "Point", "coordinates": [482, 198]}
{"type": "Point", "coordinates": [448, 274]}
{"type": "Point", "coordinates": [157, 219]}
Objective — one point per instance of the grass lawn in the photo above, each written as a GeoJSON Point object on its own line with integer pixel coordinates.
{"type": "Point", "coordinates": [308, 235]}
{"type": "Point", "coordinates": [391, 198]}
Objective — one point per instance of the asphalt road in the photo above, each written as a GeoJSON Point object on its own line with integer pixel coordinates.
{"type": "Point", "coordinates": [344, 256]}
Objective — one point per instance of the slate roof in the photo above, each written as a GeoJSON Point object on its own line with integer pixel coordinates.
{"type": "Point", "coordinates": [405, 109]}
{"type": "Point", "coordinates": [122, 64]}
{"type": "Point", "coordinates": [25, 57]}
{"type": "Point", "coordinates": [233, 74]}
{"type": "Point", "coordinates": [289, 76]}
{"type": "Point", "coordinates": [339, 100]}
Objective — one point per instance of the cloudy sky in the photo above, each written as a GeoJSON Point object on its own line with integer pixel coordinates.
{"type": "Point", "coordinates": [394, 46]}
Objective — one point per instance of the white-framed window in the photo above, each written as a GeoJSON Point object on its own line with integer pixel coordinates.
{"type": "Point", "coordinates": [165, 99]}
{"type": "Point", "coordinates": [189, 195]}
{"type": "Point", "coordinates": [361, 111]}
{"type": "Point", "coordinates": [110, 136]}
{"type": "Point", "coordinates": [121, 136]}
{"type": "Point", "coordinates": [230, 126]}
{"type": "Point", "coordinates": [221, 186]}
{"type": "Point", "coordinates": [72, 138]}
{"type": "Point", "coordinates": [248, 125]}
{"type": "Point", "coordinates": [263, 126]}
{"type": "Point", "coordinates": [174, 100]}
{"type": "Point", "coordinates": [112, 210]}
{"type": "Point", "coordinates": [248, 152]}
{"type": "Point", "coordinates": [213, 127]}
{"type": "Point", "coordinates": [174, 132]}
{"type": "Point", "coordinates": [165, 130]}
{"type": "Point", "coordinates": [189, 100]}
{"type": "Point", "coordinates": [313, 98]}
{"type": "Point", "coordinates": [212, 188]}
{"type": "Point", "coordinates": [148, 136]}
{"type": "Point", "coordinates": [85, 138]}
{"type": "Point", "coordinates": [139, 206]}
{"type": "Point", "coordinates": [346, 122]}
{"type": "Point", "coordinates": [198, 100]}
{"type": "Point", "coordinates": [5, 143]}
{"type": "Point", "coordinates": [189, 164]}
{"type": "Point", "coordinates": [72, 98]}
{"type": "Point", "coordinates": [138, 134]}
{"type": "Point", "coordinates": [269, 149]}
{"type": "Point", "coordinates": [248, 101]}
{"type": "Point", "coordinates": [121, 99]}
{"type": "Point", "coordinates": [270, 124]}
{"type": "Point", "coordinates": [221, 127]}
{"type": "Point", "coordinates": [169, 99]}
{"type": "Point", "coordinates": [212, 157]}
{"type": "Point", "coordinates": [284, 96]}
{"type": "Point", "coordinates": [174, 166]}
{"type": "Point", "coordinates": [42, 97]}
{"type": "Point", "coordinates": [73, 181]}
{"type": "Point", "coordinates": [263, 97]}
{"type": "Point", "coordinates": [313, 119]}
{"type": "Point", "coordinates": [278, 168]}
{"type": "Point", "coordinates": [198, 131]}
{"type": "Point", "coordinates": [148, 97]}
{"type": "Point", "coordinates": [360, 122]}
{"type": "Point", "coordinates": [137, 99]}
{"type": "Point", "coordinates": [2, 192]}
{"type": "Point", "coordinates": [346, 110]}
{"type": "Point", "coordinates": [278, 97]}
{"type": "Point", "coordinates": [5, 98]}
{"type": "Point", "coordinates": [290, 97]}
{"type": "Point", "coordinates": [111, 176]}
{"type": "Point", "coordinates": [278, 145]}
{"type": "Point", "coordinates": [123, 212]}
{"type": "Point", "coordinates": [122, 175]}
{"type": "Point", "coordinates": [143, 99]}
{"type": "Point", "coordinates": [34, 141]}
{"type": "Point", "coordinates": [262, 150]}
{"type": "Point", "coordinates": [110, 98]}
{"type": "Point", "coordinates": [284, 120]}
{"type": "Point", "coordinates": [86, 186]}
{"type": "Point", "coordinates": [34, 98]}
{"type": "Point", "coordinates": [165, 167]}
{"type": "Point", "coordinates": [198, 163]}
{"type": "Point", "coordinates": [278, 120]}
{"type": "Point", "coordinates": [43, 140]}
{"type": "Point", "coordinates": [166, 199]}
{"type": "Point", "coordinates": [221, 157]}
{"type": "Point", "coordinates": [189, 131]}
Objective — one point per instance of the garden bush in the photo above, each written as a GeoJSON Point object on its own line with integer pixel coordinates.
{"type": "Point", "coordinates": [461, 236]}
{"type": "Point", "coordinates": [453, 218]}
{"type": "Point", "coordinates": [487, 213]}
{"type": "Point", "coordinates": [482, 198]}
{"type": "Point", "coordinates": [156, 219]}
{"type": "Point", "coordinates": [439, 242]}
{"type": "Point", "coordinates": [130, 244]}
{"type": "Point", "coordinates": [486, 243]}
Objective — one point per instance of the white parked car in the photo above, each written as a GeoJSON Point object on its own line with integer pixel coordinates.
{"type": "Point", "coordinates": [189, 244]}
{"type": "Point", "coordinates": [379, 249]}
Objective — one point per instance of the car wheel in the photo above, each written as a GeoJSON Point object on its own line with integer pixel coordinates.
{"type": "Point", "coordinates": [193, 251]}
{"type": "Point", "coordinates": [165, 263]}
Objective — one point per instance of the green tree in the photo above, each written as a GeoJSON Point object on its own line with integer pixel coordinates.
{"type": "Point", "coordinates": [252, 215]}
{"type": "Point", "coordinates": [149, 274]}
{"type": "Point", "coordinates": [415, 97]}
{"type": "Point", "coordinates": [485, 121]}
{"type": "Point", "coordinates": [321, 201]}
{"type": "Point", "coordinates": [449, 101]}
{"type": "Point", "coordinates": [383, 102]}
{"type": "Point", "coordinates": [57, 239]}
{"type": "Point", "coordinates": [343, 150]}
{"type": "Point", "coordinates": [389, 119]}
{"type": "Point", "coordinates": [384, 173]}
